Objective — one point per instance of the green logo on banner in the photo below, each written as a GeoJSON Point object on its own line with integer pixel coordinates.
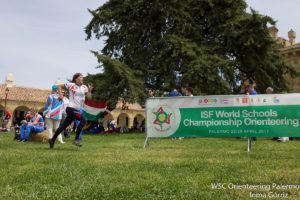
{"type": "Point", "coordinates": [162, 117]}
{"type": "Point", "coordinates": [164, 120]}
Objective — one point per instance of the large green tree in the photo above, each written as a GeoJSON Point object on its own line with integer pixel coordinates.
{"type": "Point", "coordinates": [210, 45]}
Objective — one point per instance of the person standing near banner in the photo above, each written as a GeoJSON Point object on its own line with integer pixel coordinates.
{"type": "Point", "coordinates": [251, 91]}
{"type": "Point", "coordinates": [6, 118]}
{"type": "Point", "coordinates": [188, 91]}
{"type": "Point", "coordinates": [175, 92]}
{"type": "Point", "coordinates": [77, 93]}
{"type": "Point", "coordinates": [150, 92]}
{"type": "Point", "coordinates": [269, 90]}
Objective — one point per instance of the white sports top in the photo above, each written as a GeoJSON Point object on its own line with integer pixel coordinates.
{"type": "Point", "coordinates": [76, 94]}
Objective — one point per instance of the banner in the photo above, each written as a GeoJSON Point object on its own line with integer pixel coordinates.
{"type": "Point", "coordinates": [275, 115]}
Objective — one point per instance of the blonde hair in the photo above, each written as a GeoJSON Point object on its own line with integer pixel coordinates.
{"type": "Point", "coordinates": [269, 90]}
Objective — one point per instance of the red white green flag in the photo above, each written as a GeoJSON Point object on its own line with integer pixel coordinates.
{"type": "Point", "coordinates": [93, 110]}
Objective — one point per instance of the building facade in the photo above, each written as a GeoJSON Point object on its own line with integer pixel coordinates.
{"type": "Point", "coordinates": [19, 100]}
{"type": "Point", "coordinates": [290, 52]}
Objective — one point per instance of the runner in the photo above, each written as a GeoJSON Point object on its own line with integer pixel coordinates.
{"type": "Point", "coordinates": [77, 94]}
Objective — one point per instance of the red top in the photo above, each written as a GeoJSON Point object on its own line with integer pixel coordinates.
{"type": "Point", "coordinates": [7, 115]}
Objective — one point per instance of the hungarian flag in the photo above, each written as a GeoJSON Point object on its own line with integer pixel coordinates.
{"type": "Point", "coordinates": [94, 110]}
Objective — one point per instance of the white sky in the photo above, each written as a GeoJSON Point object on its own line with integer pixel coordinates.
{"type": "Point", "coordinates": [285, 12]}
{"type": "Point", "coordinates": [44, 40]}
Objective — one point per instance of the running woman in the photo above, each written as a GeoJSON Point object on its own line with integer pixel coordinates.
{"type": "Point", "coordinates": [77, 94]}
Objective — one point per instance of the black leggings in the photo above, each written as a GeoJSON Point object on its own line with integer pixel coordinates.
{"type": "Point", "coordinates": [72, 114]}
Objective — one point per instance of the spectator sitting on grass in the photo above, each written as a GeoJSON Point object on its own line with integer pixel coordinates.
{"type": "Point", "coordinates": [27, 117]}
{"type": "Point", "coordinates": [112, 124]}
{"type": "Point", "coordinates": [36, 125]}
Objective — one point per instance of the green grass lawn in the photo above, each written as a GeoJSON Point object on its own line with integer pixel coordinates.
{"type": "Point", "coordinates": [117, 167]}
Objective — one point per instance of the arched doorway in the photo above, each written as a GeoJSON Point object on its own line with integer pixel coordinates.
{"type": "Point", "coordinates": [107, 118]}
{"type": "Point", "coordinates": [123, 122]}
{"type": "Point", "coordinates": [19, 114]}
{"type": "Point", "coordinates": [138, 122]}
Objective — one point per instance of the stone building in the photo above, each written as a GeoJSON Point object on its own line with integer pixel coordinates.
{"type": "Point", "coordinates": [290, 52]}
{"type": "Point", "coordinates": [18, 100]}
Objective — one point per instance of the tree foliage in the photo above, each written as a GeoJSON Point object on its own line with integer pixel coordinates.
{"type": "Point", "coordinates": [118, 79]}
{"type": "Point", "coordinates": [210, 45]}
